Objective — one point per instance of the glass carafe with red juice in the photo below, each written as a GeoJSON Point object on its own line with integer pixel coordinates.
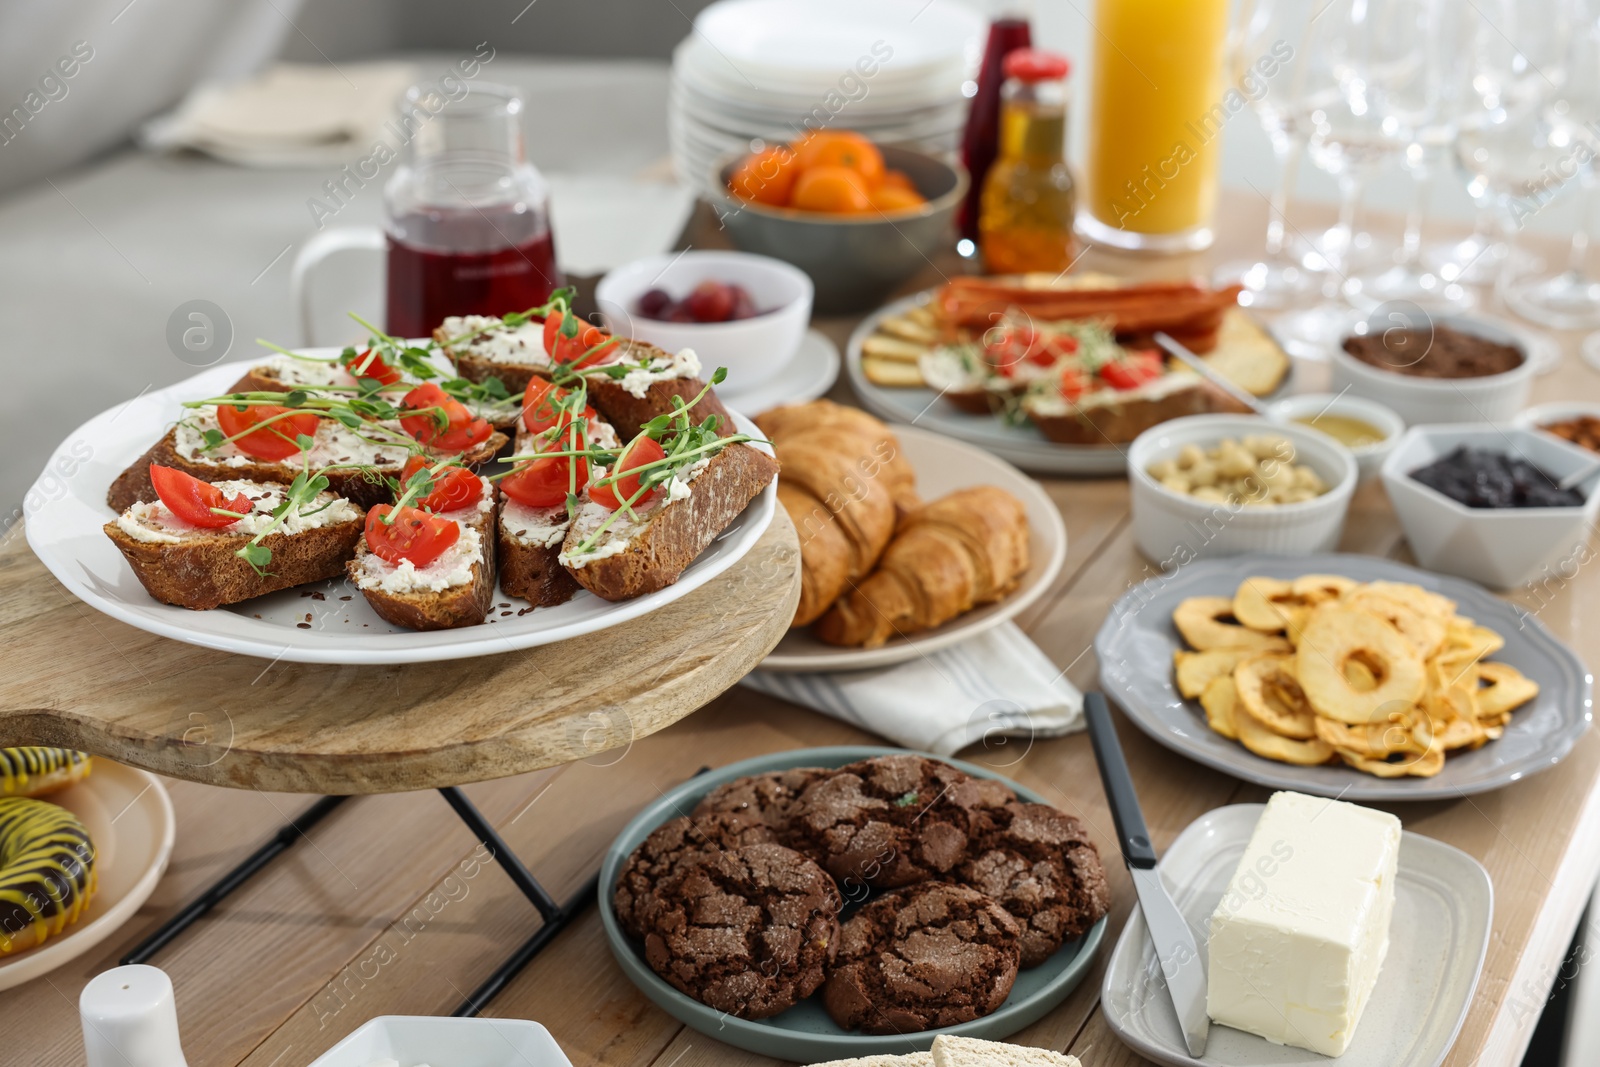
{"type": "Point", "coordinates": [1009, 30]}
{"type": "Point", "coordinates": [467, 218]}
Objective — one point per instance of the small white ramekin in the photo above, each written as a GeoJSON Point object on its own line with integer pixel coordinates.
{"type": "Point", "coordinates": [1369, 458]}
{"type": "Point", "coordinates": [1498, 547]}
{"type": "Point", "coordinates": [1542, 415]}
{"type": "Point", "coordinates": [754, 350]}
{"type": "Point", "coordinates": [1173, 529]}
{"type": "Point", "coordinates": [1425, 401]}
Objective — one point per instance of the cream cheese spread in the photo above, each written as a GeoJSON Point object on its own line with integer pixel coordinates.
{"type": "Point", "coordinates": [378, 444]}
{"type": "Point", "coordinates": [620, 534]}
{"type": "Point", "coordinates": [154, 522]}
{"type": "Point", "coordinates": [637, 382]}
{"type": "Point", "coordinates": [313, 372]}
{"type": "Point", "coordinates": [497, 342]}
{"type": "Point", "coordinates": [451, 569]}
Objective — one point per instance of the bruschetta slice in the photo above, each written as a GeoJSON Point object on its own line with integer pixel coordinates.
{"type": "Point", "coordinates": [428, 569]}
{"type": "Point", "coordinates": [207, 444]}
{"type": "Point", "coordinates": [630, 382]}
{"type": "Point", "coordinates": [537, 497]}
{"type": "Point", "coordinates": [200, 545]}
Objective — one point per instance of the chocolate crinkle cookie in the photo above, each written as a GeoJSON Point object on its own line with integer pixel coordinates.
{"type": "Point", "coordinates": [749, 931]}
{"type": "Point", "coordinates": [667, 848]}
{"type": "Point", "coordinates": [1039, 865]}
{"type": "Point", "coordinates": [930, 955]}
{"type": "Point", "coordinates": [892, 821]}
{"type": "Point", "coordinates": [767, 797]}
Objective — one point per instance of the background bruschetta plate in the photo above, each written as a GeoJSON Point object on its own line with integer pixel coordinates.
{"type": "Point", "coordinates": [324, 622]}
{"type": "Point", "coordinates": [943, 466]}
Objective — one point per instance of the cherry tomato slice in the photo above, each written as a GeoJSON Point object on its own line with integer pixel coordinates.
{"type": "Point", "coordinates": [274, 441]}
{"type": "Point", "coordinates": [570, 340]}
{"type": "Point", "coordinates": [639, 452]}
{"type": "Point", "coordinates": [368, 364]}
{"type": "Point", "coordinates": [1073, 383]}
{"type": "Point", "coordinates": [453, 487]}
{"type": "Point", "coordinates": [191, 500]}
{"type": "Point", "coordinates": [1133, 370]}
{"type": "Point", "coordinates": [461, 430]}
{"type": "Point", "coordinates": [414, 535]}
{"type": "Point", "coordinates": [540, 408]}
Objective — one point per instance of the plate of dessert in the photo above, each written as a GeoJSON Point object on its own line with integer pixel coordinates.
{"type": "Point", "coordinates": [1328, 933]}
{"type": "Point", "coordinates": [1344, 676]}
{"type": "Point", "coordinates": [780, 904]}
{"type": "Point", "coordinates": [83, 842]}
{"type": "Point", "coordinates": [909, 541]}
{"type": "Point", "coordinates": [1056, 375]}
{"type": "Point", "coordinates": [513, 482]}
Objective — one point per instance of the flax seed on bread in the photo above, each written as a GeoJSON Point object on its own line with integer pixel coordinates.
{"type": "Point", "coordinates": [674, 533]}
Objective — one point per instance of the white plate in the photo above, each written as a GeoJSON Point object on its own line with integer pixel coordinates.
{"type": "Point", "coordinates": [1444, 903]}
{"type": "Point", "coordinates": [943, 466]}
{"type": "Point", "coordinates": [66, 508]}
{"type": "Point", "coordinates": [812, 372]}
{"type": "Point", "coordinates": [413, 1039]}
{"type": "Point", "coordinates": [1023, 445]}
{"type": "Point", "coordinates": [129, 819]}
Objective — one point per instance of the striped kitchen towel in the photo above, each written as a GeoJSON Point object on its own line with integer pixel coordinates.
{"type": "Point", "coordinates": [997, 688]}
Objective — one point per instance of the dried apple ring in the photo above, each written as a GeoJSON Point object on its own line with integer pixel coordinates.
{"type": "Point", "coordinates": [1219, 700]}
{"type": "Point", "coordinates": [1195, 670]}
{"type": "Point", "coordinates": [1267, 691]}
{"type": "Point", "coordinates": [1263, 742]}
{"type": "Point", "coordinates": [1321, 588]}
{"type": "Point", "coordinates": [1425, 631]}
{"type": "Point", "coordinates": [1427, 765]}
{"type": "Point", "coordinates": [1502, 689]}
{"type": "Point", "coordinates": [1259, 602]}
{"type": "Point", "coordinates": [1373, 740]}
{"type": "Point", "coordinates": [1201, 621]}
{"type": "Point", "coordinates": [1336, 634]}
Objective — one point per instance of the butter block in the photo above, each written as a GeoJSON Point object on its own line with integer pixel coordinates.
{"type": "Point", "coordinates": [1300, 935]}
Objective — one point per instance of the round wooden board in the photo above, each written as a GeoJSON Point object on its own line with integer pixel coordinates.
{"type": "Point", "coordinates": [76, 678]}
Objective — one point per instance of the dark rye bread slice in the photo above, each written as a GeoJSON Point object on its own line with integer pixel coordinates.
{"type": "Point", "coordinates": [201, 571]}
{"type": "Point", "coordinates": [460, 605]}
{"type": "Point", "coordinates": [133, 485]}
{"type": "Point", "coordinates": [1118, 423]}
{"type": "Point", "coordinates": [677, 532]}
{"type": "Point", "coordinates": [533, 571]}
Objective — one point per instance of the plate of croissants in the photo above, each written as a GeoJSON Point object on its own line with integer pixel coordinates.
{"type": "Point", "coordinates": [909, 541]}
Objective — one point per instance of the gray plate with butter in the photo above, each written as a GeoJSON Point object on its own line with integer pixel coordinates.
{"type": "Point", "coordinates": [805, 1033]}
{"type": "Point", "coordinates": [1444, 903]}
{"type": "Point", "coordinates": [1136, 643]}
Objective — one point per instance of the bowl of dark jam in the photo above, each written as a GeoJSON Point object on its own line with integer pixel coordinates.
{"type": "Point", "coordinates": [1487, 502]}
{"type": "Point", "coordinates": [1436, 369]}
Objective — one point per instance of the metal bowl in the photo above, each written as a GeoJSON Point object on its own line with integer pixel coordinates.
{"type": "Point", "coordinates": [855, 261]}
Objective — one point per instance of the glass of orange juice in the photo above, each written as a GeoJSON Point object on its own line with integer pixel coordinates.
{"type": "Point", "coordinates": [1157, 108]}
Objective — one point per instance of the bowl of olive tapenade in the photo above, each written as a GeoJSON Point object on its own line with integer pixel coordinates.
{"type": "Point", "coordinates": [1437, 369]}
{"type": "Point", "coordinates": [1485, 502]}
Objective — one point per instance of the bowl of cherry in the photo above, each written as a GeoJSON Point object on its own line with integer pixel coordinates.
{"type": "Point", "coordinates": [737, 310]}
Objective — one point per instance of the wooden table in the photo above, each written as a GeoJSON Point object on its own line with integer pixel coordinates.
{"type": "Point", "coordinates": [389, 909]}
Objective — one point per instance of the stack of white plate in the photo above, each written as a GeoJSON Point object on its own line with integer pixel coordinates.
{"type": "Point", "coordinates": [768, 70]}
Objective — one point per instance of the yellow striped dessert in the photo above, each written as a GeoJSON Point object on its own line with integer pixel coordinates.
{"type": "Point", "coordinates": [36, 771]}
{"type": "Point", "coordinates": [47, 872]}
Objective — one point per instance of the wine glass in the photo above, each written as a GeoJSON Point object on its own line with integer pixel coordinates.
{"type": "Point", "coordinates": [1261, 63]}
{"type": "Point", "coordinates": [1570, 298]}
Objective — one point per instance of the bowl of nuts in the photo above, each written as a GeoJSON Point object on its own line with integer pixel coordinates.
{"type": "Point", "coordinates": [1224, 485]}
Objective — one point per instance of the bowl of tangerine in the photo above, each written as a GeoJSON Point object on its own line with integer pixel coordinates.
{"type": "Point", "coordinates": [859, 218]}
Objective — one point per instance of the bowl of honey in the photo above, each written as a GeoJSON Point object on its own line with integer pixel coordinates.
{"type": "Point", "coordinates": [1366, 427]}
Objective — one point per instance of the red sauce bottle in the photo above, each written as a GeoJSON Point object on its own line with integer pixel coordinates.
{"type": "Point", "coordinates": [1009, 30]}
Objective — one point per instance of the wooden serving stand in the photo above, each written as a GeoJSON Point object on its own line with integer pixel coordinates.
{"type": "Point", "coordinates": [75, 678]}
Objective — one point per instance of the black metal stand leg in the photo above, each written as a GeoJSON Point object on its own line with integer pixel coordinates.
{"type": "Point", "coordinates": [556, 917]}
{"type": "Point", "coordinates": [279, 843]}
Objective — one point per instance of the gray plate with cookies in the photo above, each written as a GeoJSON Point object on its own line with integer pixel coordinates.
{"type": "Point", "coordinates": [832, 902]}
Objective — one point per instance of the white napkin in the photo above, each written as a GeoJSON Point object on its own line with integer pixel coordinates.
{"type": "Point", "coordinates": [992, 687]}
{"type": "Point", "coordinates": [290, 115]}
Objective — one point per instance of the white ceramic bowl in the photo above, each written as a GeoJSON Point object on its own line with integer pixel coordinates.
{"type": "Point", "coordinates": [412, 1039]}
{"type": "Point", "coordinates": [1497, 547]}
{"type": "Point", "coordinates": [754, 350]}
{"type": "Point", "coordinates": [1369, 458]}
{"type": "Point", "coordinates": [1174, 529]}
{"type": "Point", "coordinates": [1541, 415]}
{"type": "Point", "coordinates": [1427, 401]}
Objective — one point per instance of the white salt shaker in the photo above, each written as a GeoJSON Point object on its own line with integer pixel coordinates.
{"type": "Point", "coordinates": [130, 1019]}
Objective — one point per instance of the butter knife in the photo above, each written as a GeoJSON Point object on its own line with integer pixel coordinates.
{"type": "Point", "coordinates": [1169, 930]}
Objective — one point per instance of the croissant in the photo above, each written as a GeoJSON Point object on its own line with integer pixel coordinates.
{"type": "Point", "coordinates": [824, 552]}
{"type": "Point", "coordinates": [879, 449]}
{"type": "Point", "coordinates": [951, 555]}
